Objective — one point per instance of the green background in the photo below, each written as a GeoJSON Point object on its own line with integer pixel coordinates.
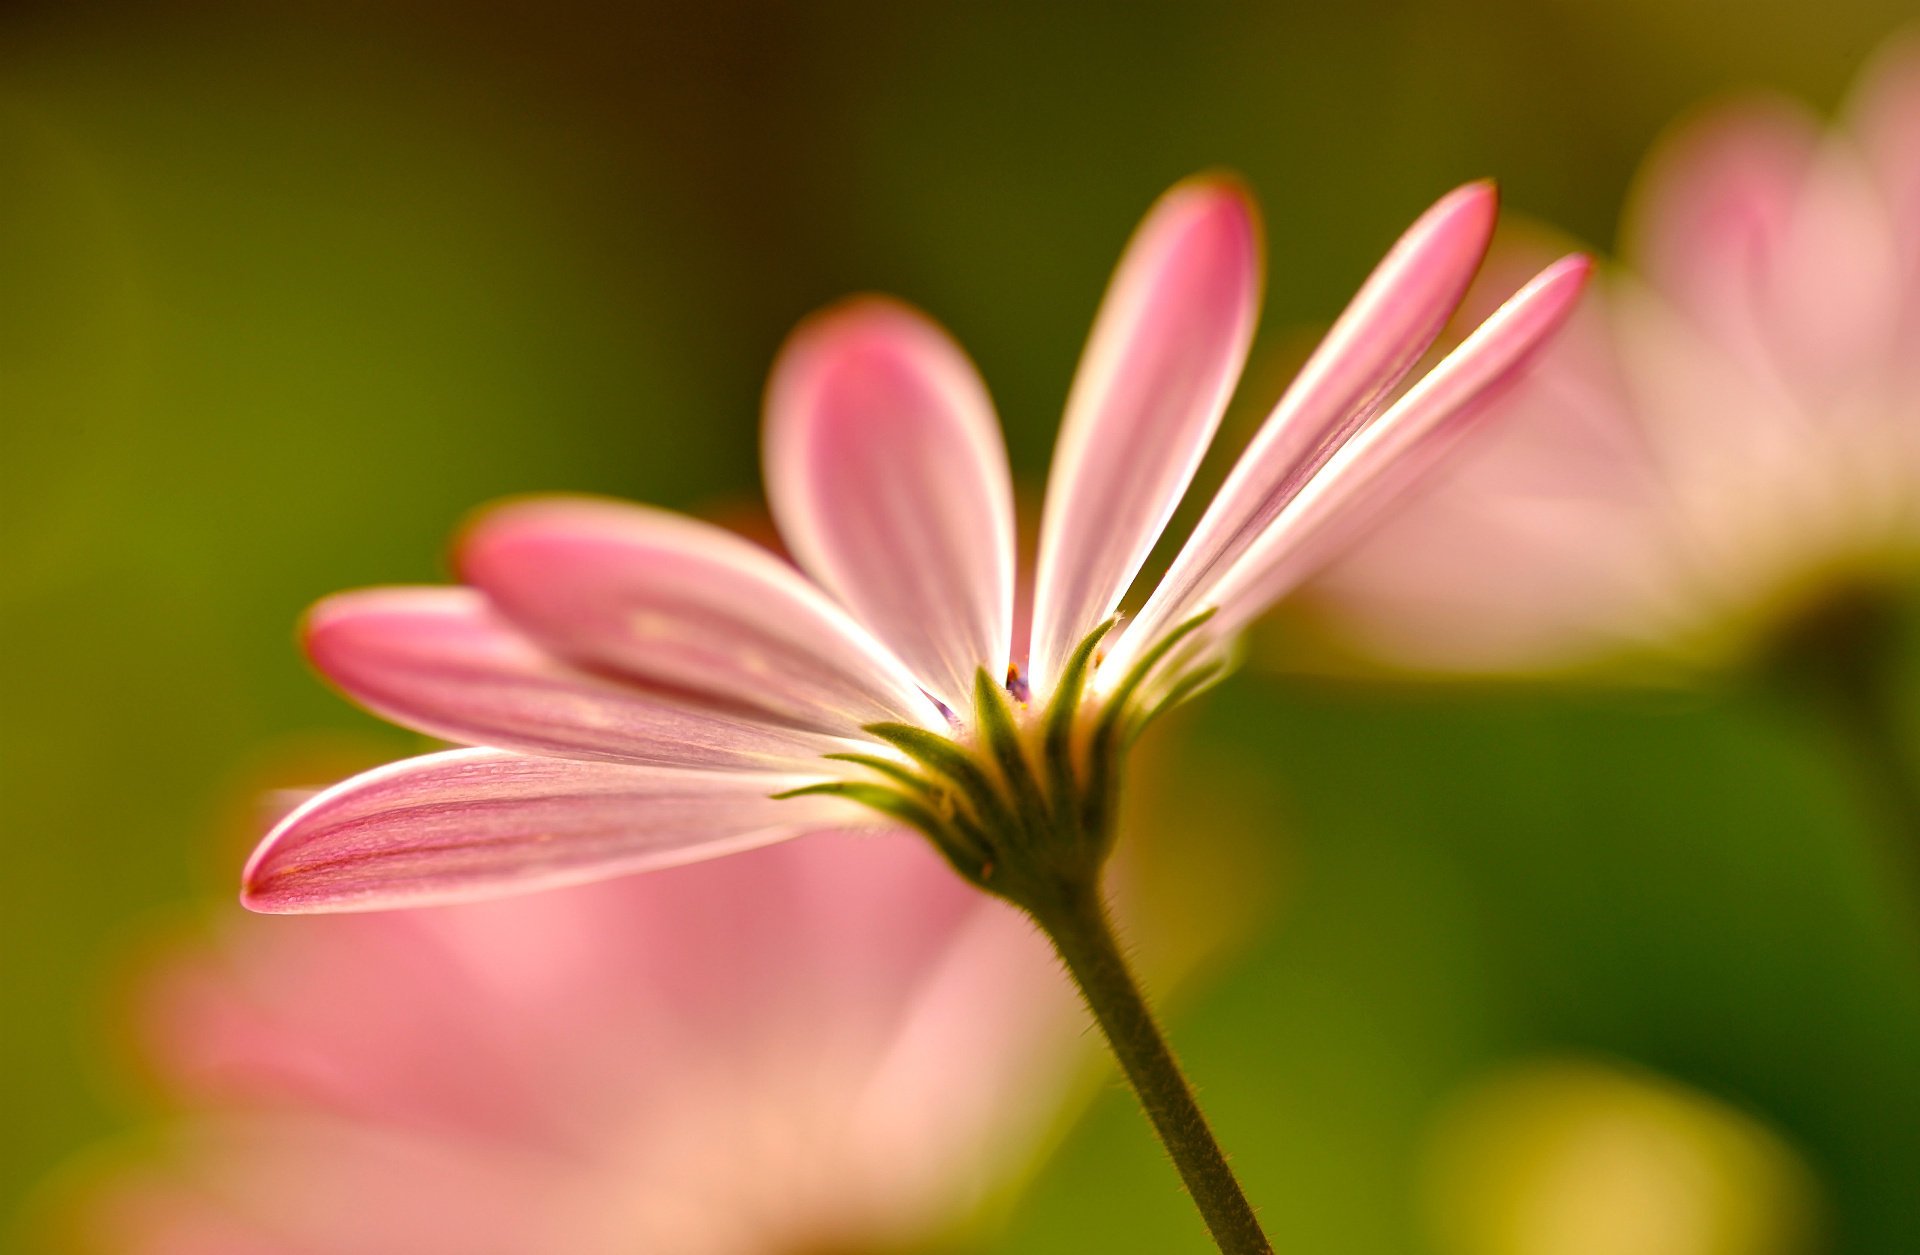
{"type": "Point", "coordinates": [287, 288]}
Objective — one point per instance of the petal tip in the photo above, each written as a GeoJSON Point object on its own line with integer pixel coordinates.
{"type": "Point", "coordinates": [322, 623]}
{"type": "Point", "coordinates": [851, 334]}
{"type": "Point", "coordinates": [1571, 273]}
{"type": "Point", "coordinates": [851, 321]}
{"type": "Point", "coordinates": [1480, 197]}
{"type": "Point", "coordinates": [1463, 219]}
{"type": "Point", "coordinates": [258, 890]}
{"type": "Point", "coordinates": [343, 621]}
{"type": "Point", "coordinates": [1222, 199]}
{"type": "Point", "coordinates": [505, 519]}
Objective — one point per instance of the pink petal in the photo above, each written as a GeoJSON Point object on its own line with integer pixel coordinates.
{"type": "Point", "coordinates": [476, 823]}
{"type": "Point", "coordinates": [1834, 295]}
{"type": "Point", "coordinates": [1886, 116]}
{"type": "Point", "coordinates": [679, 603]}
{"type": "Point", "coordinates": [1396, 317]}
{"type": "Point", "coordinates": [1781, 245]}
{"type": "Point", "coordinates": [150, 1214]}
{"type": "Point", "coordinates": [1391, 455]}
{"type": "Point", "coordinates": [888, 480]}
{"type": "Point", "coordinates": [441, 661]}
{"type": "Point", "coordinates": [1166, 349]}
{"type": "Point", "coordinates": [1713, 209]}
{"type": "Point", "coordinates": [304, 1184]}
{"type": "Point", "coordinates": [998, 1001]}
{"type": "Point", "coordinates": [1545, 545]}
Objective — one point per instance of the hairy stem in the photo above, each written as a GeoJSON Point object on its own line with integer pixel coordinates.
{"type": "Point", "coordinates": [1083, 936]}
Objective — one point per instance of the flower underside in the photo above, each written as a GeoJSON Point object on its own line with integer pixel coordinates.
{"type": "Point", "coordinates": [1024, 807]}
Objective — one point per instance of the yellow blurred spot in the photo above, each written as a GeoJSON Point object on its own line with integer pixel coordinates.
{"type": "Point", "coordinates": [1581, 1158]}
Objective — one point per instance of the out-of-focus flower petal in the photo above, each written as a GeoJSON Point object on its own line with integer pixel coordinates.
{"type": "Point", "coordinates": [679, 603]}
{"type": "Point", "coordinates": [153, 1214]}
{"type": "Point", "coordinates": [474, 823]}
{"type": "Point", "coordinates": [1397, 451]}
{"type": "Point", "coordinates": [832, 1043]}
{"type": "Point", "coordinates": [990, 1001]}
{"type": "Point", "coordinates": [442, 662]}
{"type": "Point", "coordinates": [1712, 209]}
{"type": "Point", "coordinates": [1778, 242]}
{"type": "Point", "coordinates": [888, 479]}
{"type": "Point", "coordinates": [1886, 117]}
{"type": "Point", "coordinates": [1166, 350]}
{"type": "Point", "coordinates": [1476, 574]}
{"type": "Point", "coordinates": [282, 1185]}
{"type": "Point", "coordinates": [1396, 317]}
{"type": "Point", "coordinates": [1835, 296]}
{"type": "Point", "coordinates": [1762, 372]}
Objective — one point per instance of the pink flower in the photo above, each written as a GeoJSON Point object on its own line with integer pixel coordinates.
{"type": "Point", "coordinates": [1721, 441]}
{"type": "Point", "coordinates": [648, 690]}
{"type": "Point", "coordinates": [787, 1052]}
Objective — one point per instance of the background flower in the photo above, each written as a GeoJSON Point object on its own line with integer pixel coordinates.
{"type": "Point", "coordinates": [1729, 436]}
{"type": "Point", "coordinates": [829, 1045]}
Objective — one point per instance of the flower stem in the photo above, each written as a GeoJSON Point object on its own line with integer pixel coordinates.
{"type": "Point", "coordinates": [1847, 670]}
{"type": "Point", "coordinates": [1083, 936]}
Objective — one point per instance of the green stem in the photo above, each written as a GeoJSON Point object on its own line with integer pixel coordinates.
{"type": "Point", "coordinates": [1083, 937]}
{"type": "Point", "coordinates": [1868, 724]}
{"type": "Point", "coordinates": [1845, 664]}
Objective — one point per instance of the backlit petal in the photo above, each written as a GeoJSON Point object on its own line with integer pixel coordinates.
{"type": "Point", "coordinates": [1166, 350]}
{"type": "Point", "coordinates": [1388, 457]}
{"type": "Point", "coordinates": [888, 479]}
{"type": "Point", "coordinates": [682, 604]}
{"type": "Point", "coordinates": [443, 662]}
{"type": "Point", "coordinates": [1396, 317]}
{"type": "Point", "coordinates": [476, 823]}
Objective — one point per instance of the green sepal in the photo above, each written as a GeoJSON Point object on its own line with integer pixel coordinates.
{"type": "Point", "coordinates": [1187, 686]}
{"type": "Point", "coordinates": [1122, 695]}
{"type": "Point", "coordinates": [1003, 738]}
{"type": "Point", "coordinates": [941, 756]}
{"type": "Point", "coordinates": [1097, 799]}
{"type": "Point", "coordinates": [886, 767]}
{"type": "Point", "coordinates": [961, 844]}
{"type": "Point", "coordinates": [890, 802]}
{"type": "Point", "coordinates": [1057, 722]}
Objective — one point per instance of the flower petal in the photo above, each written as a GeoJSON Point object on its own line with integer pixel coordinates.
{"type": "Point", "coordinates": [1385, 459]}
{"type": "Point", "coordinates": [1713, 209]}
{"type": "Point", "coordinates": [476, 823]}
{"type": "Point", "coordinates": [441, 661]}
{"type": "Point", "coordinates": [675, 602]}
{"type": "Point", "coordinates": [888, 479]}
{"type": "Point", "coordinates": [1885, 111]}
{"type": "Point", "coordinates": [1166, 349]}
{"type": "Point", "coordinates": [1396, 317]}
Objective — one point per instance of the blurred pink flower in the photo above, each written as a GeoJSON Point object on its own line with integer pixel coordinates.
{"type": "Point", "coordinates": [644, 683]}
{"type": "Point", "coordinates": [1721, 440]}
{"type": "Point", "coordinates": [790, 1052]}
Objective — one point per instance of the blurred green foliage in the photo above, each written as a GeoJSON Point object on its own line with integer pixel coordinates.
{"type": "Point", "coordinates": [286, 289]}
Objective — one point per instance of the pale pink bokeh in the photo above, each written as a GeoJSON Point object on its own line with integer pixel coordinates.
{"type": "Point", "coordinates": [833, 1044]}
{"type": "Point", "coordinates": [637, 685]}
{"type": "Point", "coordinates": [1728, 431]}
